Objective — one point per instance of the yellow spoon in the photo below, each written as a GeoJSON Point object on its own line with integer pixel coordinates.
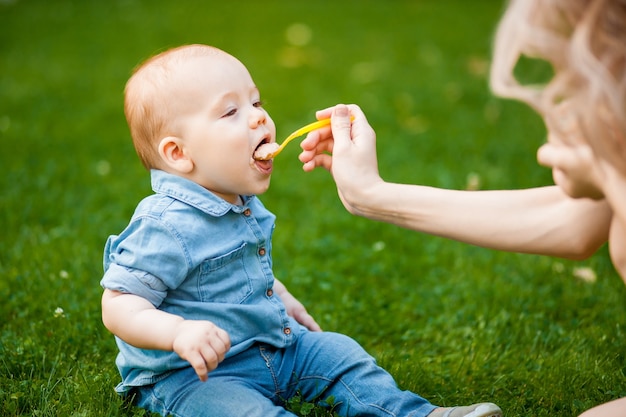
{"type": "Point", "coordinates": [303, 130]}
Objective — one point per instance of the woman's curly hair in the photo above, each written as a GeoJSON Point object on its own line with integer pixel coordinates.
{"type": "Point", "coordinates": [585, 43]}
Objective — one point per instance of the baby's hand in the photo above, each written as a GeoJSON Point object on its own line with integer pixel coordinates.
{"type": "Point", "coordinates": [295, 308]}
{"type": "Point", "coordinates": [202, 344]}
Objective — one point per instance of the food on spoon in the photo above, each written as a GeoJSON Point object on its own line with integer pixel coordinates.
{"type": "Point", "coordinates": [265, 151]}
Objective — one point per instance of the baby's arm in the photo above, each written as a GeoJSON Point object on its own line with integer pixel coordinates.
{"type": "Point", "coordinates": [295, 308]}
{"type": "Point", "coordinates": [136, 321]}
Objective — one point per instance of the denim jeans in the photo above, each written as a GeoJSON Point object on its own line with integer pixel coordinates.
{"type": "Point", "coordinates": [258, 381]}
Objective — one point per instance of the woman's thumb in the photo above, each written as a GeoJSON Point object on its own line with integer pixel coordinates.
{"type": "Point", "coordinates": [341, 125]}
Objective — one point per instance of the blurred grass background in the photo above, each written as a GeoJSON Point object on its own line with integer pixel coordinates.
{"type": "Point", "coordinates": [455, 323]}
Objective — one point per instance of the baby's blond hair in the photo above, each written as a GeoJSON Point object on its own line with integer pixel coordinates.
{"type": "Point", "coordinates": [585, 42]}
{"type": "Point", "coordinates": [147, 96]}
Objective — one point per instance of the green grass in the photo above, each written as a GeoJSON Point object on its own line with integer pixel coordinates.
{"type": "Point", "coordinates": [453, 322]}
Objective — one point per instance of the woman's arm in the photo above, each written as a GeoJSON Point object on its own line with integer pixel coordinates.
{"type": "Point", "coordinates": [537, 220]}
{"type": "Point", "coordinates": [540, 220]}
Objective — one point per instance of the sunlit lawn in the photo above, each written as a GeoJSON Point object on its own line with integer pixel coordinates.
{"type": "Point", "coordinates": [455, 323]}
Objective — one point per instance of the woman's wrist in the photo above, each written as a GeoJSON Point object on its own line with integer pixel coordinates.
{"type": "Point", "coordinates": [371, 201]}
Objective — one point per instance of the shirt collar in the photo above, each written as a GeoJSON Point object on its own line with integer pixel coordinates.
{"type": "Point", "coordinates": [193, 194]}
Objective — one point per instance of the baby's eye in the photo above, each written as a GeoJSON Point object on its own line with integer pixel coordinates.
{"type": "Point", "coordinates": [230, 113]}
{"type": "Point", "coordinates": [258, 103]}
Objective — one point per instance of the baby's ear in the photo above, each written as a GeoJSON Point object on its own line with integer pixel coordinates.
{"type": "Point", "coordinates": [172, 152]}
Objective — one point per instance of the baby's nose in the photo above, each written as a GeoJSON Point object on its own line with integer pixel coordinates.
{"type": "Point", "coordinates": [258, 118]}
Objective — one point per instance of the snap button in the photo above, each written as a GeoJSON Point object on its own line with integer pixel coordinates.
{"type": "Point", "coordinates": [247, 212]}
{"type": "Point", "coordinates": [287, 331]}
{"type": "Point", "coordinates": [262, 251]}
{"type": "Point", "coordinates": [270, 292]}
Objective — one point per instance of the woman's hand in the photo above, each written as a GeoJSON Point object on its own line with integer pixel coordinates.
{"type": "Point", "coordinates": [348, 150]}
{"type": "Point", "coordinates": [574, 168]}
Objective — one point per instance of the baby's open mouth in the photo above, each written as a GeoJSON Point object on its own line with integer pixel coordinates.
{"type": "Point", "coordinates": [264, 151]}
{"type": "Point", "coordinates": [260, 158]}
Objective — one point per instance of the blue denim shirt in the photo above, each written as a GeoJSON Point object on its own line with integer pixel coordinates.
{"type": "Point", "coordinates": [195, 255]}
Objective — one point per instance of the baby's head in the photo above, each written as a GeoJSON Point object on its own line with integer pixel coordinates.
{"type": "Point", "coordinates": [147, 99]}
{"type": "Point", "coordinates": [195, 111]}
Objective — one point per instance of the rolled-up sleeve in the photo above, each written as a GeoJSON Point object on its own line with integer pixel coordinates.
{"type": "Point", "coordinates": [147, 259]}
{"type": "Point", "coordinates": [136, 282]}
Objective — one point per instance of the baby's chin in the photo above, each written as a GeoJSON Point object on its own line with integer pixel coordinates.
{"type": "Point", "coordinates": [260, 186]}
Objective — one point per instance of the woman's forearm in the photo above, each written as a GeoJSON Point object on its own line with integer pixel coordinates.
{"type": "Point", "coordinates": [539, 220]}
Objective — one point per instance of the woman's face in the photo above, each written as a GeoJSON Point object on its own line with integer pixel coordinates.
{"type": "Point", "coordinates": [568, 154]}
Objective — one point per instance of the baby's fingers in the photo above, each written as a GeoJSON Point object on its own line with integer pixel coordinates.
{"type": "Point", "coordinates": [207, 360]}
{"type": "Point", "coordinates": [211, 358]}
{"type": "Point", "coordinates": [220, 344]}
{"type": "Point", "coordinates": [198, 363]}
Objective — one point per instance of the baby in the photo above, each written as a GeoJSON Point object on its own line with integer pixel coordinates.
{"type": "Point", "coordinates": [202, 325]}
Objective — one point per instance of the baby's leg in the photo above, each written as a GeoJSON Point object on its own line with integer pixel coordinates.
{"type": "Point", "coordinates": [340, 367]}
{"type": "Point", "coordinates": [182, 394]}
